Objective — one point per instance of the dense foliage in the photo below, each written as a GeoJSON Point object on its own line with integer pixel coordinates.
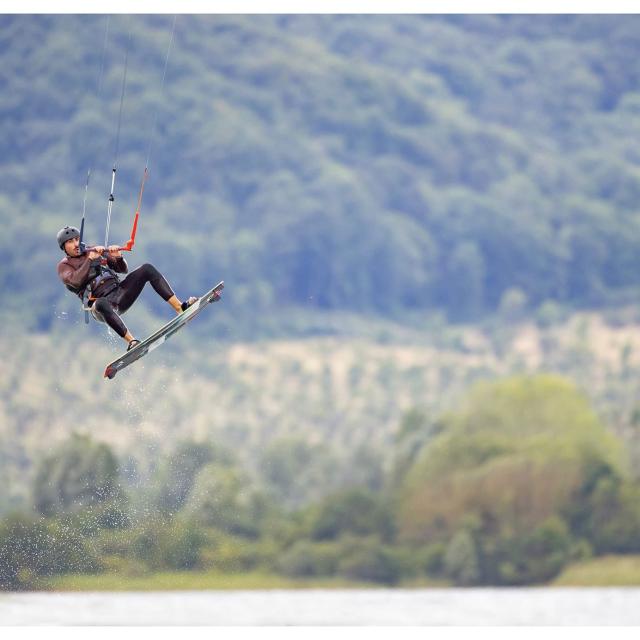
{"type": "Point", "coordinates": [510, 485]}
{"type": "Point", "coordinates": [510, 489]}
{"type": "Point", "coordinates": [313, 160]}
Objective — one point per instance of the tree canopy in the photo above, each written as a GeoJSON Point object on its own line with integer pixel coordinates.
{"type": "Point", "coordinates": [515, 454]}
{"type": "Point", "coordinates": [307, 159]}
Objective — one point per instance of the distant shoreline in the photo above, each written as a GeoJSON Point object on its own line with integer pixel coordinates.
{"type": "Point", "coordinates": [605, 571]}
{"type": "Point", "coordinates": [197, 580]}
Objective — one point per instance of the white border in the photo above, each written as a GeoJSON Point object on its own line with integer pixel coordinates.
{"type": "Point", "coordinates": [322, 6]}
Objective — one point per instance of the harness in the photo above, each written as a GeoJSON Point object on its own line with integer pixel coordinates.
{"type": "Point", "coordinates": [106, 273]}
{"type": "Point", "coordinates": [87, 296]}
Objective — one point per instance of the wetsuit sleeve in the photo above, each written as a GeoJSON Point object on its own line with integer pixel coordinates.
{"type": "Point", "coordinates": [76, 278]}
{"type": "Point", "coordinates": [119, 265]}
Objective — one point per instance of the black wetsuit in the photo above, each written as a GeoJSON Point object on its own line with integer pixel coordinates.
{"type": "Point", "coordinates": [107, 308]}
{"type": "Point", "coordinates": [109, 296]}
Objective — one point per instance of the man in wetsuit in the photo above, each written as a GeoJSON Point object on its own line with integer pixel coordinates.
{"type": "Point", "coordinates": [84, 272]}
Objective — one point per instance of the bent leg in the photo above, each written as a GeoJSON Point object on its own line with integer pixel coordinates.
{"type": "Point", "coordinates": [131, 287]}
{"type": "Point", "coordinates": [103, 311]}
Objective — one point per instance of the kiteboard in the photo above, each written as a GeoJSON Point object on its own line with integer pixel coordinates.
{"type": "Point", "coordinates": [160, 336]}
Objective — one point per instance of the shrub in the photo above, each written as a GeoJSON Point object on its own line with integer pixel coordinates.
{"type": "Point", "coordinates": [181, 546]}
{"type": "Point", "coordinates": [172, 545]}
{"type": "Point", "coordinates": [461, 559]}
{"type": "Point", "coordinates": [31, 549]}
{"type": "Point", "coordinates": [23, 547]}
{"type": "Point", "coordinates": [232, 554]}
{"type": "Point", "coordinates": [534, 558]}
{"type": "Point", "coordinates": [356, 511]}
{"type": "Point", "coordinates": [431, 559]}
{"type": "Point", "coordinates": [614, 516]}
{"type": "Point", "coordinates": [78, 474]}
{"type": "Point", "coordinates": [370, 561]}
{"type": "Point", "coordinates": [306, 559]}
{"type": "Point", "coordinates": [69, 552]}
{"type": "Point", "coordinates": [222, 497]}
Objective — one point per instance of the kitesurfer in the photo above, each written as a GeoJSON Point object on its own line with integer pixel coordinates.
{"type": "Point", "coordinates": [83, 271]}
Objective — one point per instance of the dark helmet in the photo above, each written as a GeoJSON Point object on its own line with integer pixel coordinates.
{"type": "Point", "coordinates": [67, 233]}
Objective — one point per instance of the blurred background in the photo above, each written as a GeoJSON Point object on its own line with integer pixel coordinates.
{"type": "Point", "coordinates": [425, 367]}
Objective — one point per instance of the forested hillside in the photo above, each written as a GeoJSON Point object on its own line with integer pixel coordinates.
{"type": "Point", "coordinates": [377, 164]}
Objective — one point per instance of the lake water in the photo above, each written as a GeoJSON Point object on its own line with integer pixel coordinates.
{"type": "Point", "coordinates": [544, 606]}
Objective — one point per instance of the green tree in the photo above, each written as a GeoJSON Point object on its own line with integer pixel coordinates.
{"type": "Point", "coordinates": [614, 515]}
{"type": "Point", "coordinates": [179, 470]}
{"type": "Point", "coordinates": [23, 550]}
{"type": "Point", "coordinates": [535, 557]}
{"type": "Point", "coordinates": [79, 474]}
{"type": "Point", "coordinates": [354, 511]}
{"type": "Point", "coordinates": [415, 430]}
{"type": "Point", "coordinates": [368, 560]}
{"type": "Point", "coordinates": [464, 286]}
{"type": "Point", "coordinates": [519, 453]}
{"type": "Point", "coordinates": [222, 497]}
{"type": "Point", "coordinates": [173, 544]}
{"type": "Point", "coordinates": [306, 559]}
{"type": "Point", "coordinates": [513, 305]}
{"type": "Point", "coordinates": [33, 548]}
{"type": "Point", "coordinates": [461, 562]}
{"type": "Point", "coordinates": [296, 472]}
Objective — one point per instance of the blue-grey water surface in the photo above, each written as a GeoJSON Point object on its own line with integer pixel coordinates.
{"type": "Point", "coordinates": [543, 606]}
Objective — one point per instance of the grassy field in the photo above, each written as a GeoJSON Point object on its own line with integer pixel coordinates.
{"type": "Point", "coordinates": [192, 580]}
{"type": "Point", "coordinates": [607, 571]}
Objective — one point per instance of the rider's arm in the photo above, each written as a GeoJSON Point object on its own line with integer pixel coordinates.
{"type": "Point", "coordinates": [118, 264]}
{"type": "Point", "coordinates": [76, 278]}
